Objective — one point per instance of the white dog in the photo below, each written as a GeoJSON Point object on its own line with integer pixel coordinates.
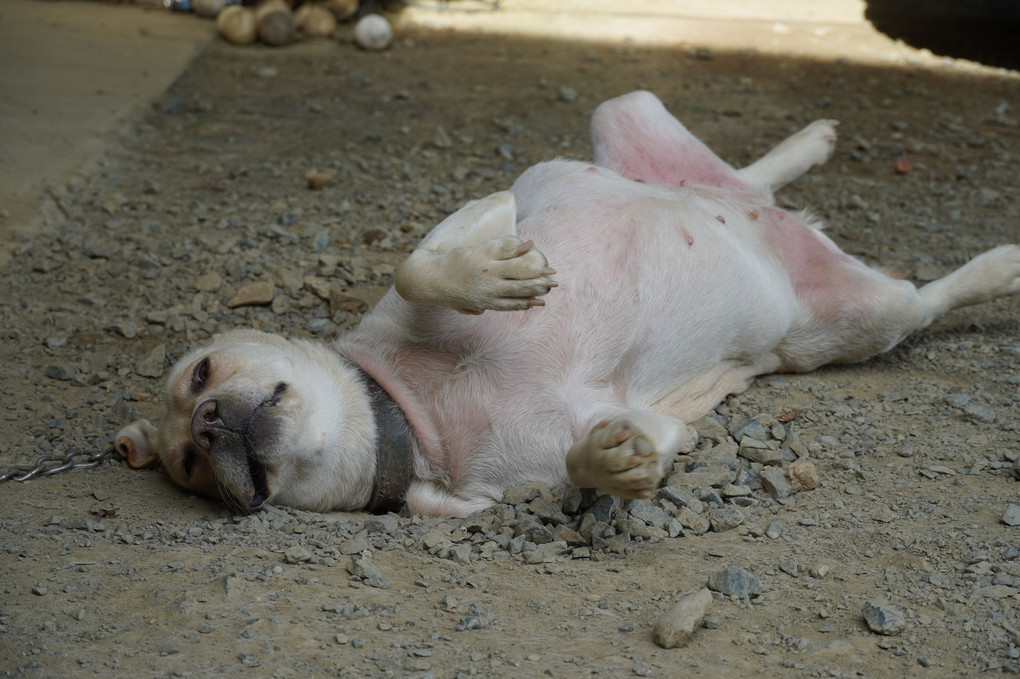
{"type": "Point", "coordinates": [677, 282]}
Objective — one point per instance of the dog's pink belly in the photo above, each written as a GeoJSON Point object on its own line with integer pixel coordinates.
{"type": "Point", "coordinates": [658, 287]}
{"type": "Point", "coordinates": [660, 305]}
{"type": "Point", "coordinates": [668, 299]}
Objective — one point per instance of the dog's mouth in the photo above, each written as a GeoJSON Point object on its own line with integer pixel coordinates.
{"type": "Point", "coordinates": [259, 482]}
{"type": "Point", "coordinates": [239, 439]}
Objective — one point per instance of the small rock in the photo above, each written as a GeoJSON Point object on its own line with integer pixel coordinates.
{"type": "Point", "coordinates": [884, 618]}
{"type": "Point", "coordinates": [681, 498]}
{"type": "Point", "coordinates": [260, 293]}
{"type": "Point", "coordinates": [758, 452]}
{"type": "Point", "coordinates": [320, 180]}
{"type": "Point", "coordinates": [819, 571]}
{"type": "Point", "coordinates": [369, 573]}
{"type": "Point", "coordinates": [58, 372]}
{"type": "Point", "coordinates": [679, 623]}
{"type": "Point", "coordinates": [604, 508]}
{"type": "Point", "coordinates": [568, 94]}
{"type": "Point", "coordinates": [1011, 517]}
{"type": "Point", "coordinates": [883, 515]}
{"type": "Point", "coordinates": [725, 518]}
{"type": "Point", "coordinates": [297, 554]}
{"type": "Point", "coordinates": [743, 427]}
{"type": "Point", "coordinates": [339, 301]}
{"type": "Point", "coordinates": [383, 523]}
{"type": "Point", "coordinates": [773, 531]}
{"type": "Point", "coordinates": [979, 412]}
{"type": "Point", "coordinates": [526, 493]}
{"type": "Point", "coordinates": [734, 581]}
{"type": "Point", "coordinates": [442, 139]}
{"type": "Point", "coordinates": [152, 364]}
{"type": "Point", "coordinates": [709, 427]}
{"type": "Point", "coordinates": [477, 618]}
{"type": "Point", "coordinates": [695, 523]}
{"type": "Point", "coordinates": [373, 32]}
{"type": "Point", "coordinates": [802, 475]}
{"type": "Point", "coordinates": [773, 479]}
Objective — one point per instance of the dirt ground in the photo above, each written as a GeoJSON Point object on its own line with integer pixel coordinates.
{"type": "Point", "coordinates": [114, 572]}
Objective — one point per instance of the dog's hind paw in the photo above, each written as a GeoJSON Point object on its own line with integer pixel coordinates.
{"type": "Point", "coordinates": [617, 458]}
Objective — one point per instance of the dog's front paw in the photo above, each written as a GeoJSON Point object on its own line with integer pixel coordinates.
{"type": "Point", "coordinates": [617, 458]}
{"type": "Point", "coordinates": [511, 275]}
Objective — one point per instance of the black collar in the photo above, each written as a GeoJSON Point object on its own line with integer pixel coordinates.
{"type": "Point", "coordinates": [394, 463]}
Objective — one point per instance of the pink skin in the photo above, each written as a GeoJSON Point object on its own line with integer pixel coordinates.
{"type": "Point", "coordinates": [674, 290]}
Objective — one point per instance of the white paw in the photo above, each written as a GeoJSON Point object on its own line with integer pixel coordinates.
{"type": "Point", "coordinates": [815, 143]}
{"type": "Point", "coordinates": [617, 458]}
{"type": "Point", "coordinates": [508, 275]}
{"type": "Point", "coordinates": [997, 271]}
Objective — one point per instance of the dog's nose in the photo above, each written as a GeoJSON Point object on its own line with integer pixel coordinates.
{"type": "Point", "coordinates": [205, 422]}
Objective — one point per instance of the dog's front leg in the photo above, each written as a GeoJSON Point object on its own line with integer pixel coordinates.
{"type": "Point", "coordinates": [627, 454]}
{"type": "Point", "coordinates": [474, 261]}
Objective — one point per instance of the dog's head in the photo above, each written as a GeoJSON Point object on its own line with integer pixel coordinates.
{"type": "Point", "coordinates": [255, 417]}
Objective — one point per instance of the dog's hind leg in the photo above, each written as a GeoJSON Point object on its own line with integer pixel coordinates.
{"type": "Point", "coordinates": [793, 156]}
{"type": "Point", "coordinates": [995, 273]}
{"type": "Point", "coordinates": [627, 453]}
{"type": "Point", "coordinates": [850, 312]}
{"type": "Point", "coordinates": [637, 137]}
{"type": "Point", "coordinates": [474, 261]}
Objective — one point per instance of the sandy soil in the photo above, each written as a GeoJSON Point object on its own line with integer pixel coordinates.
{"type": "Point", "coordinates": [113, 572]}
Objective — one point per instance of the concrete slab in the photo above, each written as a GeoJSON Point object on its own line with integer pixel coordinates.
{"type": "Point", "coordinates": [71, 74]}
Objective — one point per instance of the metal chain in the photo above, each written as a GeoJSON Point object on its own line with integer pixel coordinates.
{"type": "Point", "coordinates": [44, 465]}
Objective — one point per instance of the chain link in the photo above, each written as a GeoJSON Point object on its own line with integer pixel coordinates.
{"type": "Point", "coordinates": [48, 465]}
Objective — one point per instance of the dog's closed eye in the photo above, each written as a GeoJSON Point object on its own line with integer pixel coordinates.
{"type": "Point", "coordinates": [200, 376]}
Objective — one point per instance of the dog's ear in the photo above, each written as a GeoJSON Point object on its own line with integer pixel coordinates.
{"type": "Point", "coordinates": [137, 443]}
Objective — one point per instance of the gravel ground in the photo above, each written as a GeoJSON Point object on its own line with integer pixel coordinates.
{"type": "Point", "coordinates": [903, 561]}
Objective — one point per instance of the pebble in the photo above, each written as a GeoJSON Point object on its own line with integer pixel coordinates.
{"type": "Point", "coordinates": [884, 618]}
{"type": "Point", "coordinates": [368, 572]}
{"type": "Point", "coordinates": [477, 618]}
{"type": "Point", "coordinates": [373, 32]}
{"type": "Point", "coordinates": [58, 372]}
{"type": "Point", "coordinates": [735, 581]}
{"type": "Point", "coordinates": [819, 571]}
{"type": "Point", "coordinates": [319, 180]}
{"type": "Point", "coordinates": [678, 624]}
{"type": "Point", "coordinates": [1011, 517]}
{"type": "Point", "coordinates": [725, 518]}
{"type": "Point", "coordinates": [746, 427]}
{"type": "Point", "coordinates": [802, 475]}
{"type": "Point", "coordinates": [526, 493]}
{"type": "Point", "coordinates": [297, 554]}
{"type": "Point", "coordinates": [773, 479]}
{"type": "Point", "coordinates": [260, 293]}
{"type": "Point", "coordinates": [152, 364]}
{"type": "Point", "coordinates": [757, 451]}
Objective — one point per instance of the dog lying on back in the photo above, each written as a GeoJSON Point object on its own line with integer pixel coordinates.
{"type": "Point", "coordinates": [676, 282]}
